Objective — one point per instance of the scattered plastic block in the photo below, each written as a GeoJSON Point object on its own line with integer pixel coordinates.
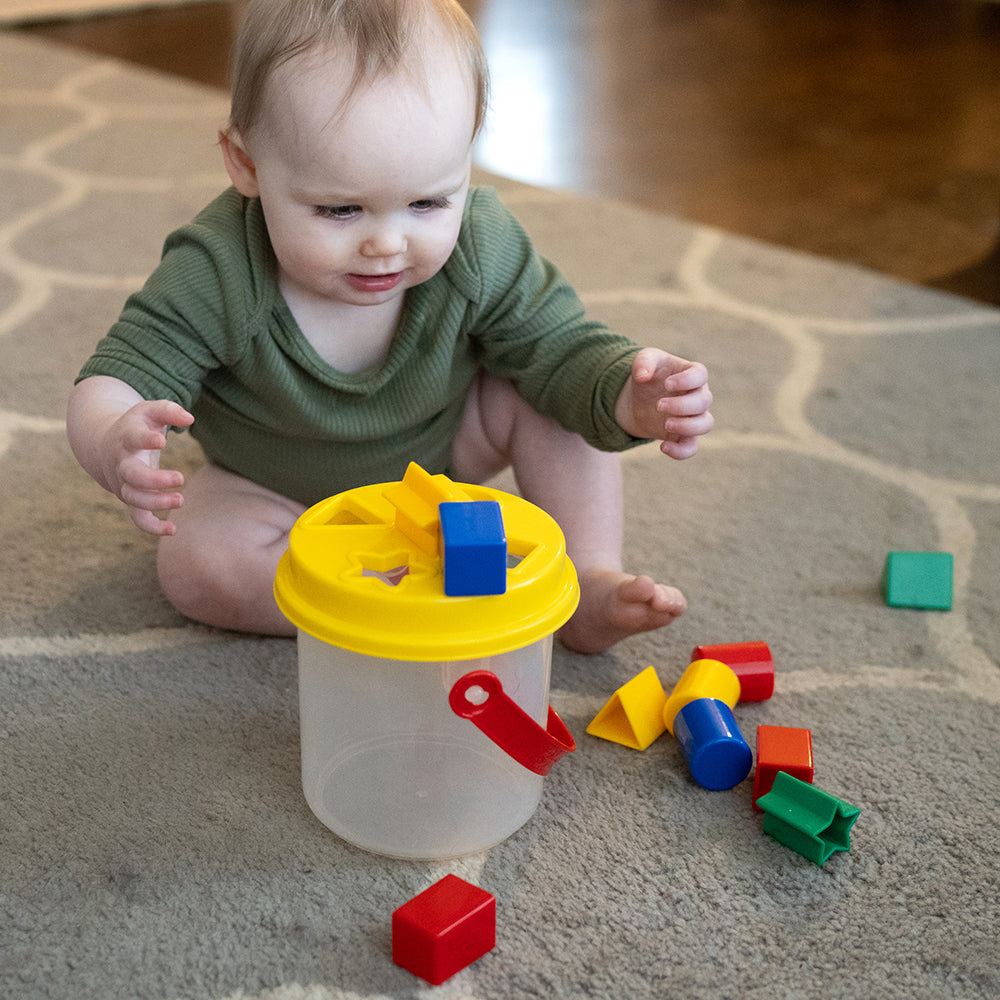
{"type": "Point", "coordinates": [806, 819]}
{"type": "Point", "coordinates": [633, 715]}
{"type": "Point", "coordinates": [712, 744]}
{"type": "Point", "coordinates": [702, 679]}
{"type": "Point", "coordinates": [781, 748]}
{"type": "Point", "coordinates": [750, 661]}
{"type": "Point", "coordinates": [444, 929]}
{"type": "Point", "coordinates": [475, 548]}
{"type": "Point", "coordinates": [918, 580]}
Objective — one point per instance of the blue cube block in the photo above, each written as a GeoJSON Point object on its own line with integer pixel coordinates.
{"type": "Point", "coordinates": [475, 548]}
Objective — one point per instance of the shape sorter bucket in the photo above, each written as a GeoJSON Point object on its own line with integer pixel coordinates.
{"type": "Point", "coordinates": [425, 723]}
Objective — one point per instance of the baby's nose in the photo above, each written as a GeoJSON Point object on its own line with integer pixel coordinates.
{"type": "Point", "coordinates": [384, 243]}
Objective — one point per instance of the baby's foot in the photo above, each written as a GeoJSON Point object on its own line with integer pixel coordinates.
{"type": "Point", "coordinates": [615, 605]}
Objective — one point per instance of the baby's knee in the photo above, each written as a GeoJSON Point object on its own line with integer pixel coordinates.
{"type": "Point", "coordinates": [187, 579]}
{"type": "Point", "coordinates": [204, 584]}
{"type": "Point", "coordinates": [502, 406]}
{"type": "Point", "coordinates": [224, 585]}
{"type": "Point", "coordinates": [504, 414]}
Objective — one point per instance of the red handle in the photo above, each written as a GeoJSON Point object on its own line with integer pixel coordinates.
{"type": "Point", "coordinates": [508, 725]}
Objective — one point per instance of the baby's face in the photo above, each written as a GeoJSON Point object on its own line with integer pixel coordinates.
{"type": "Point", "coordinates": [363, 200]}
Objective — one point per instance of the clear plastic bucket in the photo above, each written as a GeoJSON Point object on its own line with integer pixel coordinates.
{"type": "Point", "coordinates": [425, 723]}
{"type": "Point", "coordinates": [386, 763]}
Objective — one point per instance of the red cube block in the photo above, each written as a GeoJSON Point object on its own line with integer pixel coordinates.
{"type": "Point", "coordinates": [444, 929]}
{"type": "Point", "coordinates": [781, 748]}
{"type": "Point", "coordinates": [750, 661]}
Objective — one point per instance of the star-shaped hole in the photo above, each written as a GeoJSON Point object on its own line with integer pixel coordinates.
{"type": "Point", "coordinates": [393, 577]}
{"type": "Point", "coordinates": [392, 568]}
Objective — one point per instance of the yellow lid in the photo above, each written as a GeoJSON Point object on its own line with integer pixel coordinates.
{"type": "Point", "coordinates": [340, 579]}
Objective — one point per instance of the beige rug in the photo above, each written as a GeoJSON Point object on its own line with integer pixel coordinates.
{"type": "Point", "coordinates": [154, 840]}
{"type": "Point", "coordinates": [22, 11]}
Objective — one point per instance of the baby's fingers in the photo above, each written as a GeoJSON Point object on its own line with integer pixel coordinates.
{"type": "Point", "coordinates": [157, 490]}
{"type": "Point", "coordinates": [147, 487]}
{"type": "Point", "coordinates": [147, 521]}
{"type": "Point", "coordinates": [693, 426]}
{"type": "Point", "coordinates": [149, 490]}
{"type": "Point", "coordinates": [646, 363]}
{"type": "Point", "coordinates": [694, 376]}
{"type": "Point", "coordinates": [144, 427]}
{"type": "Point", "coordinates": [686, 404]}
{"type": "Point", "coordinates": [165, 413]}
{"type": "Point", "coordinates": [139, 474]}
{"type": "Point", "coordinates": [150, 499]}
{"type": "Point", "coordinates": [679, 447]}
{"type": "Point", "coordinates": [140, 437]}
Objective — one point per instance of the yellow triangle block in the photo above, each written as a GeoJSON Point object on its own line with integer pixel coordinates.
{"type": "Point", "coordinates": [633, 715]}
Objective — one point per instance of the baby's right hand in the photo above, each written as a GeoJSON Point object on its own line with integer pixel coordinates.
{"type": "Point", "coordinates": [131, 459]}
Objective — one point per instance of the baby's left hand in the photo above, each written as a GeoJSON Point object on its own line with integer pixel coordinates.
{"type": "Point", "coordinates": [666, 398]}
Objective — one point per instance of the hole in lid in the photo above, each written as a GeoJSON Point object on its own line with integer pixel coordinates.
{"type": "Point", "coordinates": [475, 695]}
{"type": "Point", "coordinates": [392, 577]}
{"type": "Point", "coordinates": [349, 512]}
{"type": "Point", "coordinates": [345, 517]}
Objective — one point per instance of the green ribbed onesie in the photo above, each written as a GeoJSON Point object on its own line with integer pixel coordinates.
{"type": "Point", "coordinates": [211, 331]}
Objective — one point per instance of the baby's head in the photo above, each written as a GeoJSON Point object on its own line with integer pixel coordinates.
{"type": "Point", "coordinates": [382, 37]}
{"type": "Point", "coordinates": [353, 122]}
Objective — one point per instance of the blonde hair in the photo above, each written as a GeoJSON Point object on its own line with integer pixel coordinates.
{"type": "Point", "coordinates": [378, 32]}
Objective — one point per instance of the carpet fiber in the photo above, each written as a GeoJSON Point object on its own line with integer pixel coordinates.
{"type": "Point", "coordinates": [155, 841]}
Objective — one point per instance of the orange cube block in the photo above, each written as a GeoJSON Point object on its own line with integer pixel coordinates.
{"type": "Point", "coordinates": [781, 748]}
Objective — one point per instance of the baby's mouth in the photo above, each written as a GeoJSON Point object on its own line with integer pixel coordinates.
{"type": "Point", "coordinates": [375, 282]}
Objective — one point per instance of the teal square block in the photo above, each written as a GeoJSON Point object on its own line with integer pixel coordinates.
{"type": "Point", "coordinates": [918, 580]}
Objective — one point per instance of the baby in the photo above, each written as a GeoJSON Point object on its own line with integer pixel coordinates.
{"type": "Point", "coordinates": [351, 304]}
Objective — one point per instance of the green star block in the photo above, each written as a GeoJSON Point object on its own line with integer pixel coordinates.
{"type": "Point", "coordinates": [918, 580]}
{"type": "Point", "coordinates": [806, 819]}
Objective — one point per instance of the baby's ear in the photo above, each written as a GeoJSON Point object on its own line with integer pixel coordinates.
{"type": "Point", "coordinates": [239, 164]}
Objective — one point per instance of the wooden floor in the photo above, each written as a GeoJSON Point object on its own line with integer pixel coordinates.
{"type": "Point", "coordinates": [864, 130]}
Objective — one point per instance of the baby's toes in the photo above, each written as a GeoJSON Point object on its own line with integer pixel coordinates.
{"type": "Point", "coordinates": [668, 599]}
{"type": "Point", "coordinates": [637, 590]}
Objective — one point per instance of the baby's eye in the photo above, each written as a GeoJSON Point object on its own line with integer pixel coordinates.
{"type": "Point", "coordinates": [429, 204]}
{"type": "Point", "coordinates": [339, 212]}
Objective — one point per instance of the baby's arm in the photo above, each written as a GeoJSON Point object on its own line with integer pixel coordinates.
{"type": "Point", "coordinates": [666, 398]}
{"type": "Point", "coordinates": [117, 437]}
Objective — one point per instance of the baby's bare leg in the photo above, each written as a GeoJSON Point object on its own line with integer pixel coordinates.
{"type": "Point", "coordinates": [581, 488]}
{"type": "Point", "coordinates": [219, 567]}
